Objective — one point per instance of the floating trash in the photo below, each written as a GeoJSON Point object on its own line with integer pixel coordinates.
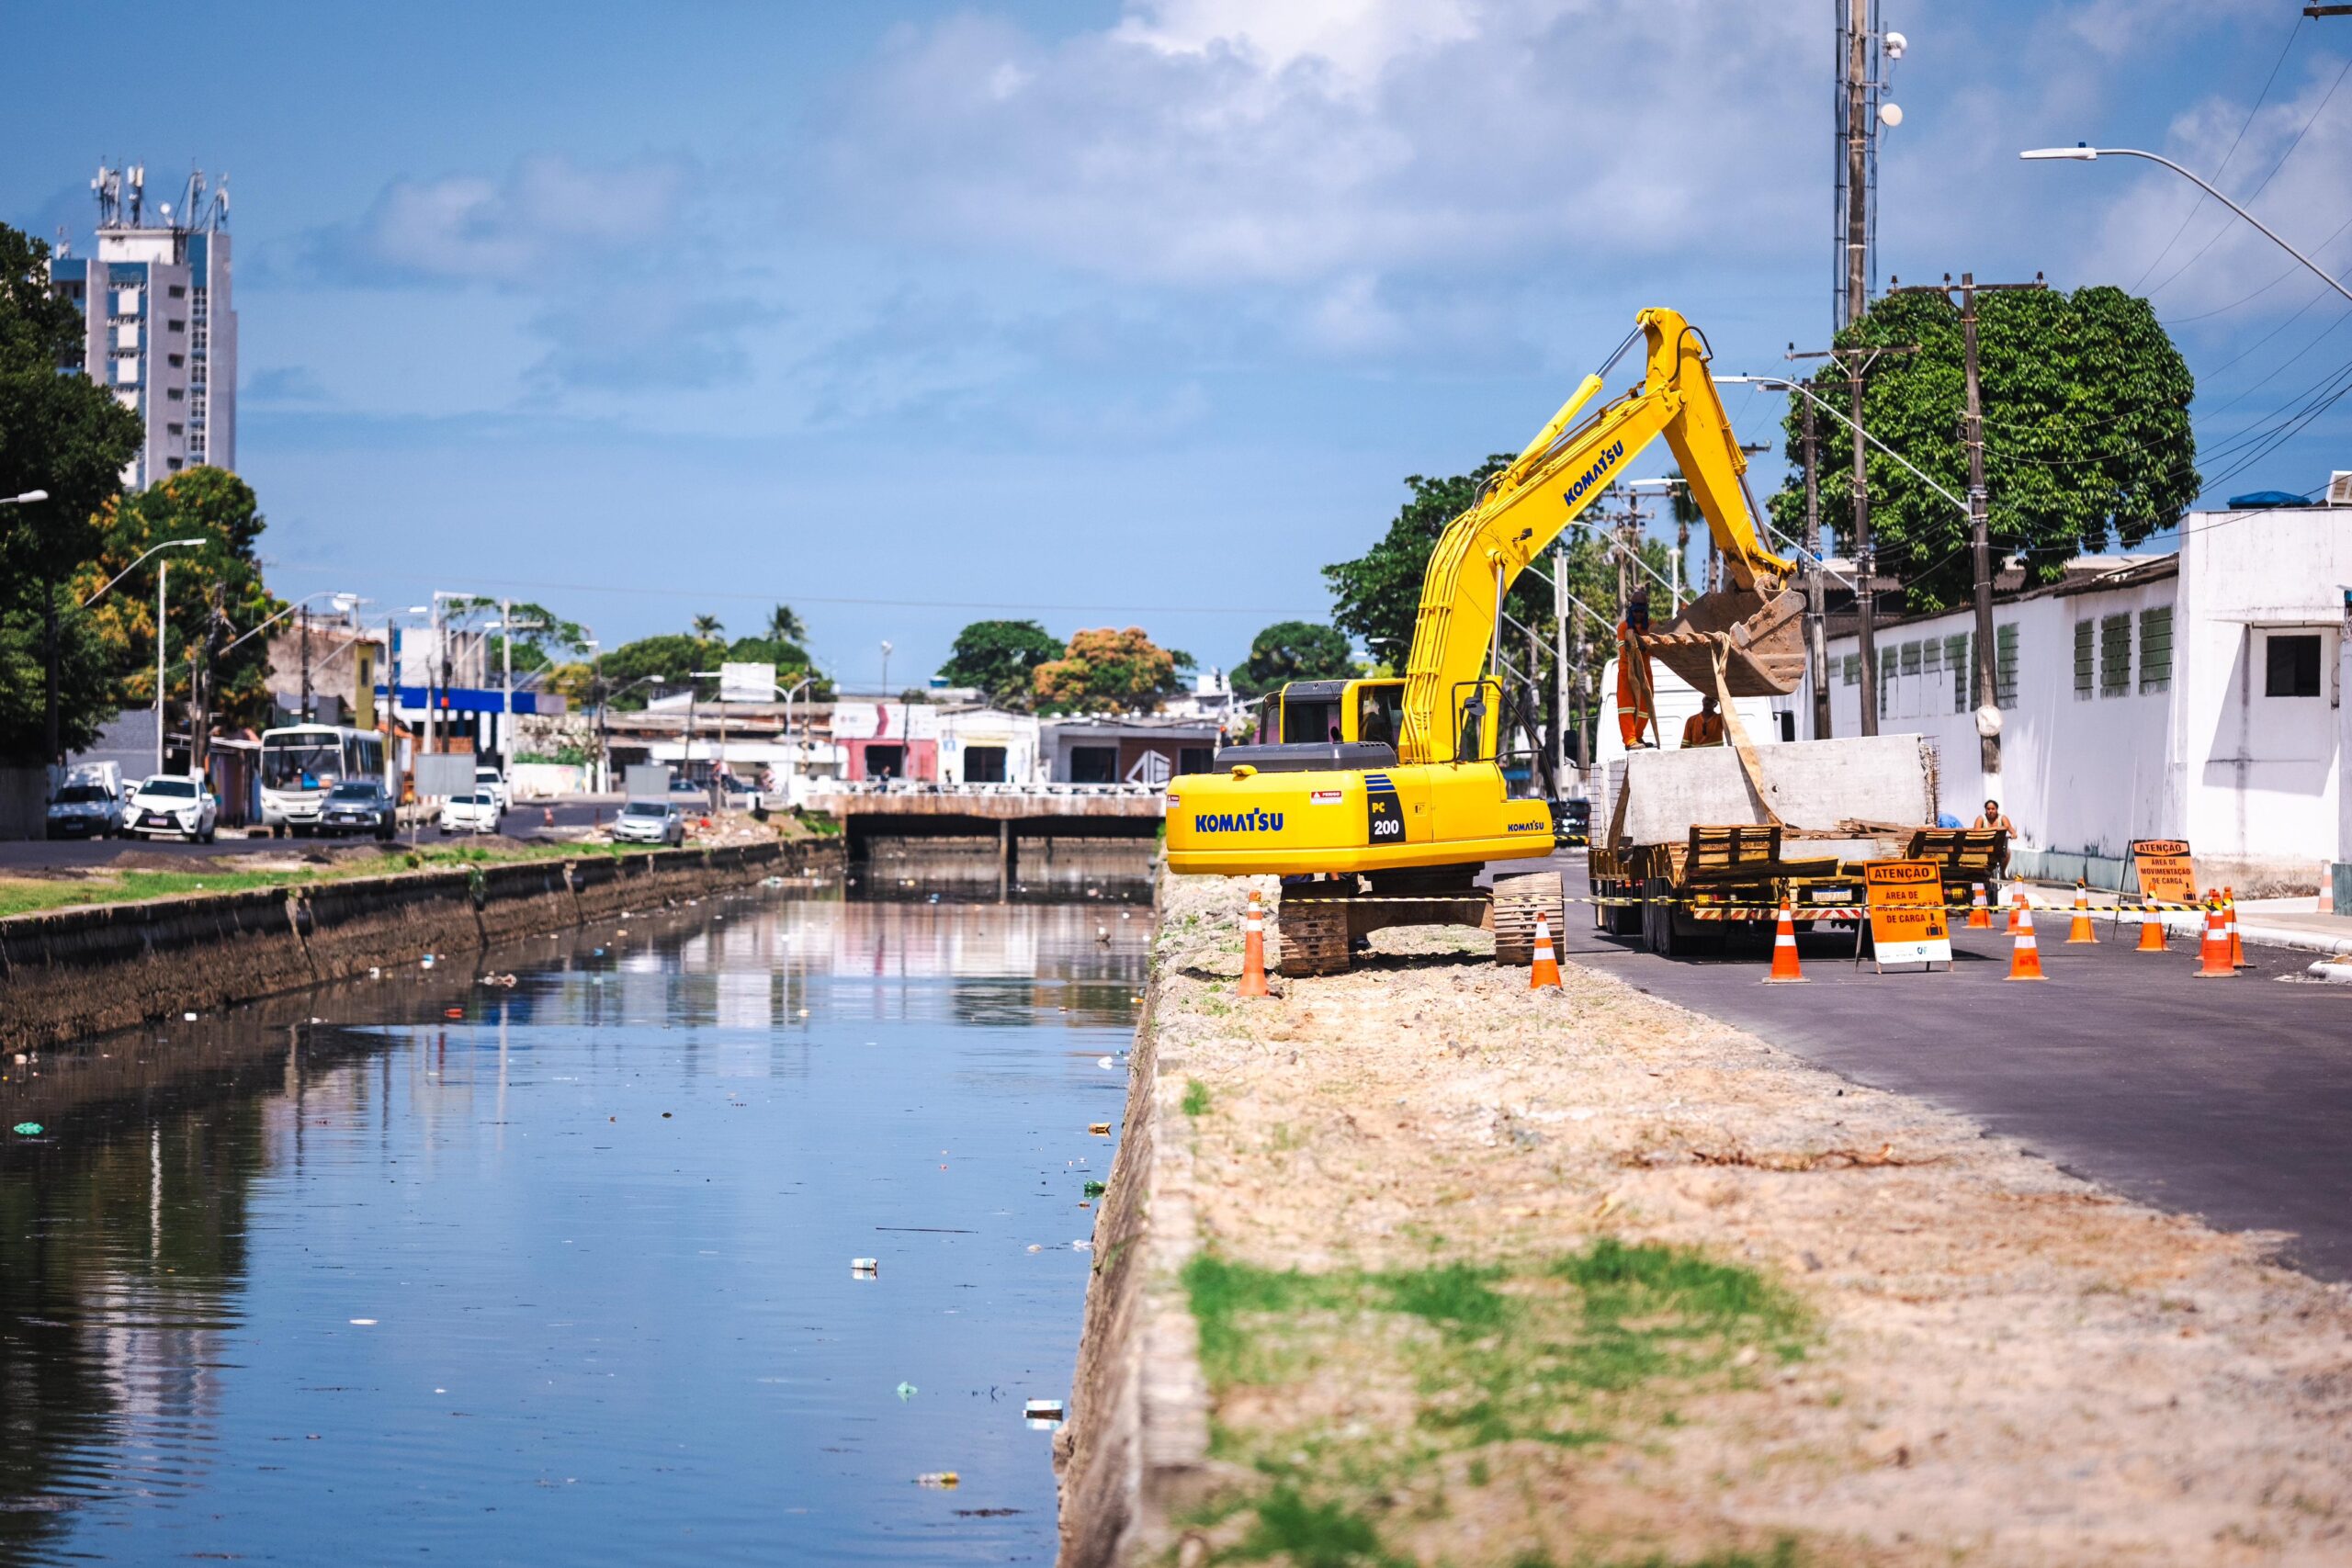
{"type": "Point", "coordinates": [427, 961]}
{"type": "Point", "coordinates": [1104, 1062]}
{"type": "Point", "coordinates": [1100, 1129]}
{"type": "Point", "coordinates": [363, 1323]}
{"type": "Point", "coordinates": [868, 1267]}
{"type": "Point", "coordinates": [1044, 1415]}
{"type": "Point", "coordinates": [187, 1017]}
{"type": "Point", "coordinates": [26, 1129]}
{"type": "Point", "coordinates": [939, 1479]}
{"type": "Point", "coordinates": [908, 1390]}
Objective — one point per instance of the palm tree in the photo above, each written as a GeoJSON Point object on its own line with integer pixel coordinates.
{"type": "Point", "coordinates": [785, 625]}
{"type": "Point", "coordinates": [707, 629]}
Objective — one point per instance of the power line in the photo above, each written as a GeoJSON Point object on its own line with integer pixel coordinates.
{"type": "Point", "coordinates": [2258, 190]}
{"type": "Point", "coordinates": [2293, 32]}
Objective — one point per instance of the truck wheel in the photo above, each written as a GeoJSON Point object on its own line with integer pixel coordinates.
{"type": "Point", "coordinates": [1312, 938]}
{"type": "Point", "coordinates": [1518, 901]}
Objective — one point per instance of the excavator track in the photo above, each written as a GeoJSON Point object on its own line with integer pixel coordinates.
{"type": "Point", "coordinates": [1518, 901]}
{"type": "Point", "coordinates": [1315, 937]}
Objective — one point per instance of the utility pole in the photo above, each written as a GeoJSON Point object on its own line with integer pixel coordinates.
{"type": "Point", "coordinates": [53, 756]}
{"type": "Point", "coordinates": [1560, 658]}
{"type": "Point", "coordinates": [1859, 38]}
{"type": "Point", "coordinates": [1817, 619]}
{"type": "Point", "coordinates": [1856, 361]}
{"type": "Point", "coordinates": [1865, 594]}
{"type": "Point", "coordinates": [1983, 668]}
{"type": "Point", "coordinates": [163, 632]}
{"type": "Point", "coordinates": [306, 664]}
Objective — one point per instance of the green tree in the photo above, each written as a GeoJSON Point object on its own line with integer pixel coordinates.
{"type": "Point", "coordinates": [791, 660]}
{"type": "Point", "coordinates": [2088, 442]}
{"type": "Point", "coordinates": [1294, 650]}
{"type": "Point", "coordinates": [66, 434]}
{"type": "Point", "coordinates": [1110, 672]}
{"type": "Point", "coordinates": [668, 659]}
{"type": "Point", "coordinates": [785, 624]}
{"type": "Point", "coordinates": [707, 628]}
{"type": "Point", "coordinates": [217, 592]}
{"type": "Point", "coordinates": [1000, 659]}
{"type": "Point", "coordinates": [545, 640]}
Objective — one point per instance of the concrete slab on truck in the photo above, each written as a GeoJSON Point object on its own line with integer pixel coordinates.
{"type": "Point", "coordinates": [1811, 784]}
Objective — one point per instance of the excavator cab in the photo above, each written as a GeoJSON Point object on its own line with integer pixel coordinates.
{"type": "Point", "coordinates": [1343, 712]}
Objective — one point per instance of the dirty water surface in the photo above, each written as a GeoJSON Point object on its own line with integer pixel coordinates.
{"type": "Point", "coordinates": [548, 1257]}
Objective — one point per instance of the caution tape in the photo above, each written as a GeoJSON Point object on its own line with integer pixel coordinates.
{"type": "Point", "coordinates": [1806, 912]}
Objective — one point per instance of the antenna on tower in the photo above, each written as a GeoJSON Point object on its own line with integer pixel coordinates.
{"type": "Point", "coordinates": [138, 192]}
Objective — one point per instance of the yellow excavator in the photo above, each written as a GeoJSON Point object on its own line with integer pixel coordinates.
{"type": "Point", "coordinates": [1379, 802]}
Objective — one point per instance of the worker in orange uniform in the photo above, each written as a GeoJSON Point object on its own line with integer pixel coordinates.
{"type": "Point", "coordinates": [1704, 728]}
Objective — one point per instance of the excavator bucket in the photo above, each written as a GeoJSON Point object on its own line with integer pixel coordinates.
{"type": "Point", "coordinates": [1762, 638]}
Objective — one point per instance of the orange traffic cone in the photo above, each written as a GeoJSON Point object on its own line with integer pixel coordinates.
{"type": "Point", "coordinates": [1253, 950]}
{"type": "Point", "coordinates": [1980, 917]}
{"type": "Point", "coordinates": [2237, 943]}
{"type": "Point", "coordinates": [2081, 930]}
{"type": "Point", "coordinates": [2326, 888]}
{"type": "Point", "coordinates": [2213, 951]}
{"type": "Point", "coordinates": [1545, 968]}
{"type": "Point", "coordinates": [1784, 951]}
{"type": "Point", "coordinates": [2151, 931]}
{"type": "Point", "coordinates": [2025, 958]}
{"type": "Point", "coordinates": [2017, 912]}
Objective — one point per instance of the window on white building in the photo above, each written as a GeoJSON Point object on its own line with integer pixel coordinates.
{"type": "Point", "coordinates": [2290, 665]}
{"type": "Point", "coordinates": [2005, 664]}
{"type": "Point", "coordinates": [1853, 670]}
{"type": "Point", "coordinates": [2155, 649]}
{"type": "Point", "coordinates": [2082, 660]}
{"type": "Point", "coordinates": [2115, 655]}
{"type": "Point", "coordinates": [1956, 660]}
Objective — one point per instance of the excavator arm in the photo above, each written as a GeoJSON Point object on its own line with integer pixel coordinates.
{"type": "Point", "coordinates": [1747, 639]}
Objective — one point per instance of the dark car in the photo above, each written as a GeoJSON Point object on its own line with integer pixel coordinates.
{"type": "Point", "coordinates": [360, 806]}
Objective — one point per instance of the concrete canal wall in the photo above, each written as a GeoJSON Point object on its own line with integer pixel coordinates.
{"type": "Point", "coordinates": [1136, 1450]}
{"type": "Point", "coordinates": [76, 973]}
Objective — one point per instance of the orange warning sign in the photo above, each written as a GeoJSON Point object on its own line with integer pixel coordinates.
{"type": "Point", "coordinates": [2166, 873]}
{"type": "Point", "coordinates": [1907, 924]}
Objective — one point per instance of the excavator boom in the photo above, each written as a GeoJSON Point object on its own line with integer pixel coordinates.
{"type": "Point", "coordinates": [1746, 641]}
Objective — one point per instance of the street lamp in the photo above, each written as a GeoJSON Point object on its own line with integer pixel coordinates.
{"type": "Point", "coordinates": [2085, 153]}
{"type": "Point", "coordinates": [24, 499]}
{"type": "Point", "coordinates": [886, 672]}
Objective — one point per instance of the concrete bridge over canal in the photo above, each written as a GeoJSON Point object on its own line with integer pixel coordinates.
{"type": "Point", "coordinates": [1008, 813]}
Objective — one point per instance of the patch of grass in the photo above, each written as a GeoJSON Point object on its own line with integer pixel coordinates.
{"type": "Point", "coordinates": [1196, 1098]}
{"type": "Point", "coordinates": [1566, 1352]}
{"type": "Point", "coordinates": [1311, 1534]}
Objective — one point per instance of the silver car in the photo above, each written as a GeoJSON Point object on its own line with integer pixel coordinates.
{"type": "Point", "coordinates": [649, 822]}
{"type": "Point", "coordinates": [85, 811]}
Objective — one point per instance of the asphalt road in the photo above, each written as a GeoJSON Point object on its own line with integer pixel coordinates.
{"type": "Point", "coordinates": [30, 854]}
{"type": "Point", "coordinates": [2226, 1098]}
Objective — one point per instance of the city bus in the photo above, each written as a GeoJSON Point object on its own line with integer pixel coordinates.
{"type": "Point", "coordinates": [301, 761]}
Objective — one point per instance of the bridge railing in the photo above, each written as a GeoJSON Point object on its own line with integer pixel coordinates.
{"type": "Point", "coordinates": [976, 791]}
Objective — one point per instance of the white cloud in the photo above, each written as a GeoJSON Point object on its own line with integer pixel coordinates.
{"type": "Point", "coordinates": [1210, 143]}
{"type": "Point", "coordinates": [547, 215]}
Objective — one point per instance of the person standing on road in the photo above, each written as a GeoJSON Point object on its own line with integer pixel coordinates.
{"type": "Point", "coordinates": [1704, 728]}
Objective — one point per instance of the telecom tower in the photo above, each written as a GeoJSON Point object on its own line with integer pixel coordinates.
{"type": "Point", "coordinates": [159, 321]}
{"type": "Point", "coordinates": [1862, 109]}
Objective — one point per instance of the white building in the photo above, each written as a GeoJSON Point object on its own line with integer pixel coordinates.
{"type": "Point", "coordinates": [158, 321]}
{"type": "Point", "coordinates": [2195, 696]}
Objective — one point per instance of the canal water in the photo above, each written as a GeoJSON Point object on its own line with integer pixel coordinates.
{"type": "Point", "coordinates": [443, 1266]}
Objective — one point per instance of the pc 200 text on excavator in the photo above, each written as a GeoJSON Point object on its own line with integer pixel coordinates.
{"type": "Point", "coordinates": [1389, 794]}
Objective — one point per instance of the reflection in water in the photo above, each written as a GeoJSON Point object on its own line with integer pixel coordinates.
{"type": "Point", "coordinates": [564, 1277]}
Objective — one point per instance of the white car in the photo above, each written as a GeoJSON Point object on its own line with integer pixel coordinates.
{"type": "Point", "coordinates": [86, 809]}
{"type": "Point", "coordinates": [649, 822]}
{"type": "Point", "coordinates": [475, 813]}
{"type": "Point", "coordinates": [173, 804]}
{"type": "Point", "coordinates": [488, 781]}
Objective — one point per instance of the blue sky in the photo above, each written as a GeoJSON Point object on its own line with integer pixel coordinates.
{"type": "Point", "coordinates": [1102, 313]}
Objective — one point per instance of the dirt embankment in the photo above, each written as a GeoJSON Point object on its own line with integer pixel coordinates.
{"type": "Point", "coordinates": [1476, 1276]}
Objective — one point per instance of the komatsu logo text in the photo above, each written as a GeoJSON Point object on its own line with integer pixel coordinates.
{"type": "Point", "coordinates": [1591, 476]}
{"type": "Point", "coordinates": [1238, 822]}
